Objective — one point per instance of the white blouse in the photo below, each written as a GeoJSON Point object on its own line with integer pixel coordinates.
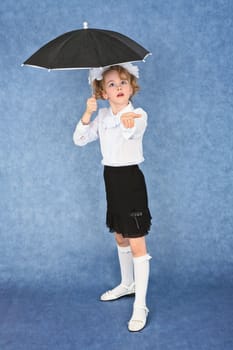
{"type": "Point", "coordinates": [120, 146]}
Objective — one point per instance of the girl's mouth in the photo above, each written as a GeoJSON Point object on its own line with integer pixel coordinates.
{"type": "Point", "coordinates": [120, 94]}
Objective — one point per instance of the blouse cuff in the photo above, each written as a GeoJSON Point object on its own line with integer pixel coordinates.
{"type": "Point", "coordinates": [128, 132]}
{"type": "Point", "coordinates": [82, 127]}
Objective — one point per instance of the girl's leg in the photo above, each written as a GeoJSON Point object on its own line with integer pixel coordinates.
{"type": "Point", "coordinates": [121, 241]}
{"type": "Point", "coordinates": [141, 275]}
{"type": "Point", "coordinates": [125, 260]}
{"type": "Point", "coordinates": [126, 286]}
{"type": "Point", "coordinates": [138, 246]}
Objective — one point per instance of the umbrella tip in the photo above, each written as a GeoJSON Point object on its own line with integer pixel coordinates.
{"type": "Point", "coordinates": [85, 25]}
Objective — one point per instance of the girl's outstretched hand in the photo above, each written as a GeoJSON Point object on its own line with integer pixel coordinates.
{"type": "Point", "coordinates": [127, 119]}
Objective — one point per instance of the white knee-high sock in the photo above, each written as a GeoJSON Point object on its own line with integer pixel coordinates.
{"type": "Point", "coordinates": [141, 275]}
{"type": "Point", "coordinates": [126, 265]}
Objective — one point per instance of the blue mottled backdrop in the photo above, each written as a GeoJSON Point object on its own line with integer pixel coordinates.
{"type": "Point", "coordinates": [52, 195]}
{"type": "Point", "coordinates": [52, 200]}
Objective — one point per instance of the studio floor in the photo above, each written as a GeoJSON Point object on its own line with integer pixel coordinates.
{"type": "Point", "coordinates": [190, 318]}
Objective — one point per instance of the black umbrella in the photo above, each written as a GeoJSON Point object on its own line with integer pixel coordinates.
{"type": "Point", "coordinates": [87, 48]}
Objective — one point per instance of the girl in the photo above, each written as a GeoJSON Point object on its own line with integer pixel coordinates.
{"type": "Point", "coordinates": [120, 129]}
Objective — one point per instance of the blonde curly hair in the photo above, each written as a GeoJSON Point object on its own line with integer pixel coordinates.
{"type": "Point", "coordinates": [98, 85]}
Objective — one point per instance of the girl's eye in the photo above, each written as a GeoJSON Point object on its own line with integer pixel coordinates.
{"type": "Point", "coordinates": [115, 85]}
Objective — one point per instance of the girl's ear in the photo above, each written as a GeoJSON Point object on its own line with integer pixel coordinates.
{"type": "Point", "coordinates": [104, 95]}
{"type": "Point", "coordinates": [131, 93]}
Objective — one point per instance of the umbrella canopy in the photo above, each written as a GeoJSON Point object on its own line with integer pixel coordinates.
{"type": "Point", "coordinates": [87, 48]}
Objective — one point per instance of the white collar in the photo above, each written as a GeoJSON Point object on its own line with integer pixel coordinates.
{"type": "Point", "coordinates": [126, 109]}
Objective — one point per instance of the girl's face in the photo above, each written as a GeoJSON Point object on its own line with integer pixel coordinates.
{"type": "Point", "coordinates": [117, 89]}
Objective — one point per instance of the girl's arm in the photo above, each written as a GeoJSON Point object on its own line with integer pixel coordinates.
{"type": "Point", "coordinates": [85, 130]}
{"type": "Point", "coordinates": [84, 134]}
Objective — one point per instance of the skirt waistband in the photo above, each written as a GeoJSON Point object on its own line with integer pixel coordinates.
{"type": "Point", "coordinates": [120, 168]}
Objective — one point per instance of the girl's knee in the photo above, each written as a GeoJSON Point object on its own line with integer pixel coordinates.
{"type": "Point", "coordinates": [121, 241]}
{"type": "Point", "coordinates": [138, 246]}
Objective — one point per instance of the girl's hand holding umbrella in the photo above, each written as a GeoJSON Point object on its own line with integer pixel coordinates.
{"type": "Point", "coordinates": [91, 107]}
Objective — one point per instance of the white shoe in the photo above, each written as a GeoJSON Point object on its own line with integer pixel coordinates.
{"type": "Point", "coordinates": [118, 292]}
{"type": "Point", "coordinates": [138, 319]}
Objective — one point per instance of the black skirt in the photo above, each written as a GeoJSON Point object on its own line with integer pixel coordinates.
{"type": "Point", "coordinates": [127, 201]}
